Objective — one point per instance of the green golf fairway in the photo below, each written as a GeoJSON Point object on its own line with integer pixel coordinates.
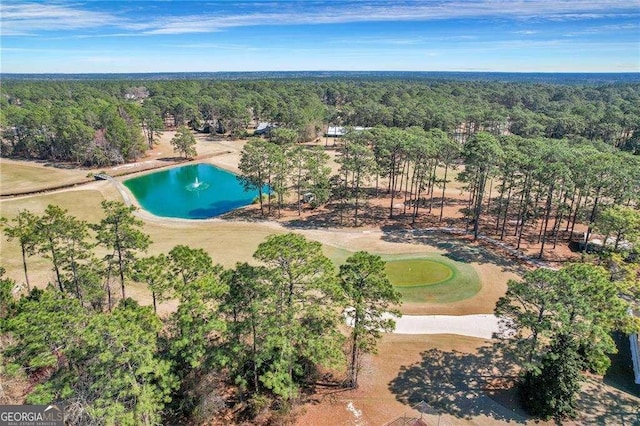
{"type": "Point", "coordinates": [417, 272]}
{"type": "Point", "coordinates": [423, 277]}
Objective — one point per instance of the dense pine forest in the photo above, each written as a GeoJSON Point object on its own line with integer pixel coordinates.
{"type": "Point", "coordinates": [536, 163]}
{"type": "Point", "coordinates": [99, 123]}
{"type": "Point", "coordinates": [547, 155]}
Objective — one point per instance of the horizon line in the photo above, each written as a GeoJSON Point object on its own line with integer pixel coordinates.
{"type": "Point", "coordinates": [320, 71]}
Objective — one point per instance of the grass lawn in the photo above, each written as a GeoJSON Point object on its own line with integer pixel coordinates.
{"type": "Point", "coordinates": [417, 272]}
{"type": "Point", "coordinates": [231, 242]}
{"type": "Point", "coordinates": [463, 282]}
{"type": "Point", "coordinates": [423, 278]}
{"type": "Point", "coordinates": [19, 176]}
{"type": "Point", "coordinates": [82, 203]}
{"type": "Point", "coordinates": [226, 242]}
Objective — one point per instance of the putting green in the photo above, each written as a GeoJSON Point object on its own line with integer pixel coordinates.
{"type": "Point", "coordinates": [417, 272]}
{"type": "Point", "coordinates": [423, 277]}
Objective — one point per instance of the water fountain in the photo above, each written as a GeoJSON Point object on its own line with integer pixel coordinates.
{"type": "Point", "coordinates": [188, 191]}
{"type": "Point", "coordinates": [197, 185]}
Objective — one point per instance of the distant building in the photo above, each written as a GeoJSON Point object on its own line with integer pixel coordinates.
{"type": "Point", "coordinates": [308, 197]}
{"type": "Point", "coordinates": [135, 93]}
{"type": "Point", "coordinates": [340, 131]}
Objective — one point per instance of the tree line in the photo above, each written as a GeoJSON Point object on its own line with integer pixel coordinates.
{"type": "Point", "coordinates": [266, 331]}
{"type": "Point", "coordinates": [101, 123]}
{"type": "Point", "coordinates": [515, 187]}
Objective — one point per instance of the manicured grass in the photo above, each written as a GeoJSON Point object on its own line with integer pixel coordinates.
{"type": "Point", "coordinates": [84, 204]}
{"type": "Point", "coordinates": [226, 242]}
{"type": "Point", "coordinates": [31, 176]}
{"type": "Point", "coordinates": [463, 283]}
{"type": "Point", "coordinates": [417, 272]}
{"type": "Point", "coordinates": [230, 242]}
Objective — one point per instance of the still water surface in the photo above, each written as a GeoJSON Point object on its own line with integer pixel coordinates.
{"type": "Point", "coordinates": [197, 191]}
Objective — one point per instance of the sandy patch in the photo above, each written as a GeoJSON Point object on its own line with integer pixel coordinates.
{"type": "Point", "coordinates": [480, 326]}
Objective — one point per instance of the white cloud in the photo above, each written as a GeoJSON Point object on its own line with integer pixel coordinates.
{"type": "Point", "coordinates": [222, 46]}
{"type": "Point", "coordinates": [30, 18]}
{"type": "Point", "coordinates": [614, 28]}
{"type": "Point", "coordinates": [379, 11]}
{"type": "Point", "coordinates": [376, 41]}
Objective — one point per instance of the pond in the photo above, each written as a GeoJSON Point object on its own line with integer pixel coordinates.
{"type": "Point", "coordinates": [198, 191]}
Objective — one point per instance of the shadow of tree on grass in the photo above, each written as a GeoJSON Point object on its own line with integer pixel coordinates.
{"type": "Point", "coordinates": [468, 385]}
{"type": "Point", "coordinates": [455, 247]}
{"type": "Point", "coordinates": [604, 405]}
{"type": "Point", "coordinates": [459, 384]}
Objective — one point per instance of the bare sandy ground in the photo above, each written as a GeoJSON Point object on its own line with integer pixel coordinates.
{"type": "Point", "coordinates": [481, 326]}
{"type": "Point", "coordinates": [462, 381]}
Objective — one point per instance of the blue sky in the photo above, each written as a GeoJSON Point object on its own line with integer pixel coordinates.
{"type": "Point", "coordinates": [445, 35]}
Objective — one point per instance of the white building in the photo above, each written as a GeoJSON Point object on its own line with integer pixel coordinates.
{"type": "Point", "coordinates": [339, 131]}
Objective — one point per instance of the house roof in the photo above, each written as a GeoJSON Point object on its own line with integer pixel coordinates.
{"type": "Point", "coordinates": [264, 128]}
{"type": "Point", "coordinates": [340, 130]}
